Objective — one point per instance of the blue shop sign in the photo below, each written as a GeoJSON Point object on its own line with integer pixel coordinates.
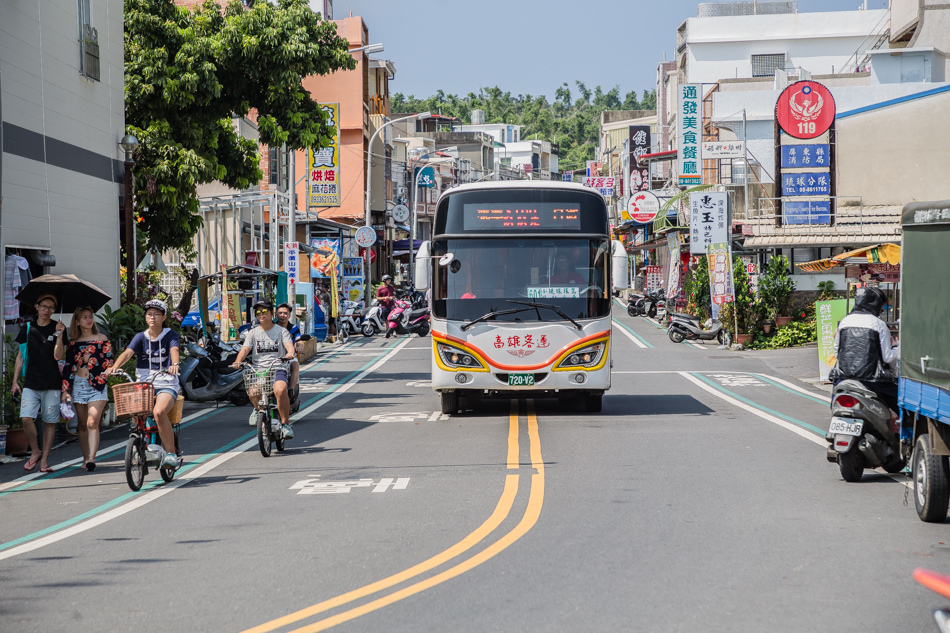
{"type": "Point", "coordinates": [806, 184]}
{"type": "Point", "coordinates": [812, 155]}
{"type": "Point", "coordinates": [806, 212]}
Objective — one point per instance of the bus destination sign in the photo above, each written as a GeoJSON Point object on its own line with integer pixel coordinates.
{"type": "Point", "coordinates": [503, 217]}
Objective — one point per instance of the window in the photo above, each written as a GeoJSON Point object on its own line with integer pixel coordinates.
{"type": "Point", "coordinates": [277, 167]}
{"type": "Point", "coordinates": [88, 42]}
{"type": "Point", "coordinates": [766, 65]}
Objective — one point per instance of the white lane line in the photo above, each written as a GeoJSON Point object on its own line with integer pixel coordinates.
{"type": "Point", "coordinates": [630, 336]}
{"type": "Point", "coordinates": [78, 460]}
{"type": "Point", "coordinates": [140, 500]}
{"type": "Point", "coordinates": [797, 430]}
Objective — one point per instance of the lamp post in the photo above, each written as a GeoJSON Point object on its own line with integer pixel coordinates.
{"type": "Point", "coordinates": [412, 211]}
{"type": "Point", "coordinates": [369, 196]}
{"type": "Point", "coordinates": [129, 144]}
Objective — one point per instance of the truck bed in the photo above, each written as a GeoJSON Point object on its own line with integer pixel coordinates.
{"type": "Point", "coordinates": [924, 399]}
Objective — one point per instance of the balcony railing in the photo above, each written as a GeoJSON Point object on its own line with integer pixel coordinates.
{"type": "Point", "coordinates": [848, 216]}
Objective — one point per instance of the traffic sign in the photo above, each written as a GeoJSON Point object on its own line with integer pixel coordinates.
{"type": "Point", "coordinates": [365, 236]}
{"type": "Point", "coordinates": [400, 213]}
{"type": "Point", "coordinates": [805, 109]}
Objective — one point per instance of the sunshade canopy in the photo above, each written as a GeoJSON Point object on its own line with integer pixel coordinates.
{"type": "Point", "coordinates": [878, 254]}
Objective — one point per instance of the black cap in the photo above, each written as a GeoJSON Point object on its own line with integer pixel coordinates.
{"type": "Point", "coordinates": [264, 303]}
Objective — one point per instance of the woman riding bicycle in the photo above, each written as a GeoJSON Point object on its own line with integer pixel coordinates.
{"type": "Point", "coordinates": [156, 350]}
{"type": "Point", "coordinates": [265, 343]}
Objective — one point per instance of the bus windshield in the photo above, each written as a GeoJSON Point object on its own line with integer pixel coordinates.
{"type": "Point", "coordinates": [475, 277]}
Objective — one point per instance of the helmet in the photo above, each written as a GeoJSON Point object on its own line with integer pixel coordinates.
{"type": "Point", "coordinates": [387, 278]}
{"type": "Point", "coordinates": [872, 300]}
{"type": "Point", "coordinates": [158, 304]}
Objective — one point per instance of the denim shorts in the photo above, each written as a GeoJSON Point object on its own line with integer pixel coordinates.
{"type": "Point", "coordinates": [46, 401]}
{"type": "Point", "coordinates": [280, 374]}
{"type": "Point", "coordinates": [169, 390]}
{"type": "Point", "coordinates": [84, 393]}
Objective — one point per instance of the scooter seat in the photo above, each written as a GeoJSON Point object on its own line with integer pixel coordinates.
{"type": "Point", "coordinates": [415, 314]}
{"type": "Point", "coordinates": [688, 317]}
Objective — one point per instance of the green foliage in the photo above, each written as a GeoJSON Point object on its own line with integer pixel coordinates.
{"type": "Point", "coordinates": [186, 74]}
{"type": "Point", "coordinates": [776, 287]}
{"type": "Point", "coordinates": [698, 301]}
{"type": "Point", "coordinates": [793, 334]}
{"type": "Point", "coordinates": [122, 324]}
{"type": "Point", "coordinates": [573, 124]}
{"type": "Point", "coordinates": [826, 290]}
{"type": "Point", "coordinates": [11, 415]}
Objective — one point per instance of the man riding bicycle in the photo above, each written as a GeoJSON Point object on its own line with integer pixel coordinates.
{"type": "Point", "coordinates": [265, 344]}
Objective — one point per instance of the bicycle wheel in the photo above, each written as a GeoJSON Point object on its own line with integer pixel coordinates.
{"type": "Point", "coordinates": [135, 463]}
{"type": "Point", "coordinates": [169, 473]}
{"type": "Point", "coordinates": [263, 433]}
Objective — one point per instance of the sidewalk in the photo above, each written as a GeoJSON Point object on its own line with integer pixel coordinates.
{"type": "Point", "coordinates": [800, 363]}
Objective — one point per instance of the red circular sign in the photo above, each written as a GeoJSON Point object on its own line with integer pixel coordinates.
{"type": "Point", "coordinates": [805, 109]}
{"type": "Point", "coordinates": [372, 255]}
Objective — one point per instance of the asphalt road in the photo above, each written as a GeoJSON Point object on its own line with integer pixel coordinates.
{"type": "Point", "coordinates": [698, 500]}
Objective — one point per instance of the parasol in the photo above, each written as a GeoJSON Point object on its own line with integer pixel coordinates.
{"type": "Point", "coordinates": [70, 291]}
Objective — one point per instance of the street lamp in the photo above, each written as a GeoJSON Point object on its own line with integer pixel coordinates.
{"type": "Point", "coordinates": [129, 144]}
{"type": "Point", "coordinates": [369, 48]}
{"type": "Point", "coordinates": [412, 201]}
{"type": "Point", "coordinates": [369, 196]}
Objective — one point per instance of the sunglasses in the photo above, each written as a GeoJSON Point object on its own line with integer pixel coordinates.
{"type": "Point", "coordinates": [260, 312]}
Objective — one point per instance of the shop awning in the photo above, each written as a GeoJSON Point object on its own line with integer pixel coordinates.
{"type": "Point", "coordinates": [403, 245]}
{"type": "Point", "coordinates": [878, 254]}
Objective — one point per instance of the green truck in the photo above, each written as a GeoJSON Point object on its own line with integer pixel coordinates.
{"type": "Point", "coordinates": [924, 392]}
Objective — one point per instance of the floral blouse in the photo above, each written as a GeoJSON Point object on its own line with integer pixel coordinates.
{"type": "Point", "coordinates": [96, 356]}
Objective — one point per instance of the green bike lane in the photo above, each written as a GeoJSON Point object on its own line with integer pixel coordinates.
{"type": "Point", "coordinates": [35, 505]}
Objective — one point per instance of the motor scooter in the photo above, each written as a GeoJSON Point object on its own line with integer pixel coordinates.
{"type": "Point", "coordinates": [373, 321]}
{"type": "Point", "coordinates": [632, 301]}
{"type": "Point", "coordinates": [940, 584]}
{"type": "Point", "coordinates": [206, 375]}
{"type": "Point", "coordinates": [349, 319]}
{"type": "Point", "coordinates": [651, 302]}
{"type": "Point", "coordinates": [685, 327]}
{"type": "Point", "coordinates": [860, 433]}
{"type": "Point", "coordinates": [403, 319]}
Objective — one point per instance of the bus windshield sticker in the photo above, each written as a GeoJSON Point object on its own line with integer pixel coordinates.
{"type": "Point", "coordinates": [554, 292]}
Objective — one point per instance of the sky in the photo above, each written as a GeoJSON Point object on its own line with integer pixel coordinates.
{"type": "Point", "coordinates": [528, 46]}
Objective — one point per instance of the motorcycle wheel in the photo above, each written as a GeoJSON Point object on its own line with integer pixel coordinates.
{"type": "Point", "coordinates": [632, 311]}
{"type": "Point", "coordinates": [344, 333]}
{"type": "Point", "coordinates": [851, 465]}
{"type": "Point", "coordinates": [423, 331]}
{"type": "Point", "coordinates": [368, 329]}
{"type": "Point", "coordinates": [239, 397]}
{"type": "Point", "coordinates": [931, 488]}
{"type": "Point", "coordinates": [676, 337]}
{"type": "Point", "coordinates": [721, 337]}
{"type": "Point", "coordinates": [652, 311]}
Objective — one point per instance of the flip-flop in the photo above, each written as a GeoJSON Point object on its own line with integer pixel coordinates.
{"type": "Point", "coordinates": [30, 464]}
{"type": "Point", "coordinates": [46, 469]}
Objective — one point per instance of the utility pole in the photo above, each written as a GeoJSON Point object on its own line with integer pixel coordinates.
{"type": "Point", "coordinates": [745, 166]}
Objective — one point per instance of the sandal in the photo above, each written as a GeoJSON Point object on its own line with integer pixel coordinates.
{"type": "Point", "coordinates": [30, 464]}
{"type": "Point", "coordinates": [46, 469]}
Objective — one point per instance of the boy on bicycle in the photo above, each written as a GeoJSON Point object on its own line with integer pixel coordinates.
{"type": "Point", "coordinates": [266, 343]}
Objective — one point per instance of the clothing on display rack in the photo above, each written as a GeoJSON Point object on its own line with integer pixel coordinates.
{"type": "Point", "coordinates": [17, 275]}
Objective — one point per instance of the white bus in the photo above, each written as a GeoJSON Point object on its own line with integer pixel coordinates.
{"type": "Point", "coordinates": [520, 277]}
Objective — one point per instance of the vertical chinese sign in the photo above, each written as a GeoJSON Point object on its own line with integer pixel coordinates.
{"type": "Point", "coordinates": [720, 273]}
{"type": "Point", "coordinates": [805, 113]}
{"type": "Point", "coordinates": [323, 165]}
{"type": "Point", "coordinates": [690, 123]}
{"type": "Point", "coordinates": [829, 314]}
{"type": "Point", "coordinates": [640, 144]}
{"type": "Point", "coordinates": [292, 261]}
{"type": "Point", "coordinates": [708, 220]}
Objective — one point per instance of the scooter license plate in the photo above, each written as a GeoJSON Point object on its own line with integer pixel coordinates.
{"type": "Point", "coordinates": [845, 426]}
{"type": "Point", "coordinates": [520, 380]}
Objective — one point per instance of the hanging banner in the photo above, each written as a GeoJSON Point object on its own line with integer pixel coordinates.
{"type": "Point", "coordinates": [323, 166]}
{"type": "Point", "coordinates": [690, 123]}
{"type": "Point", "coordinates": [708, 220]}
{"type": "Point", "coordinates": [828, 314]}
{"type": "Point", "coordinates": [720, 273]}
{"type": "Point", "coordinates": [674, 241]}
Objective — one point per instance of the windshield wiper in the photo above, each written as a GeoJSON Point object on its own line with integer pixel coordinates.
{"type": "Point", "coordinates": [492, 315]}
{"type": "Point", "coordinates": [553, 308]}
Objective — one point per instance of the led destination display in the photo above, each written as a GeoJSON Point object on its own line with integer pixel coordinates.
{"type": "Point", "coordinates": [502, 217]}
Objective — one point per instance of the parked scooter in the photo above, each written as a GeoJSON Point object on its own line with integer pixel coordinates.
{"type": "Point", "coordinates": [405, 320]}
{"type": "Point", "coordinates": [349, 319]}
{"type": "Point", "coordinates": [632, 301]}
{"type": "Point", "coordinates": [205, 374]}
{"type": "Point", "coordinates": [685, 327]}
{"type": "Point", "coordinates": [373, 322]}
{"type": "Point", "coordinates": [860, 433]}
{"type": "Point", "coordinates": [939, 584]}
{"type": "Point", "coordinates": [652, 302]}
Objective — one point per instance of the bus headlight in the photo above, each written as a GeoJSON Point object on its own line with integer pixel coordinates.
{"type": "Point", "coordinates": [589, 356]}
{"type": "Point", "coordinates": [456, 358]}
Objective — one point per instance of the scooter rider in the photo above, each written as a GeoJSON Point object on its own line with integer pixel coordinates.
{"type": "Point", "coordinates": [864, 348]}
{"type": "Point", "coordinates": [265, 343]}
{"type": "Point", "coordinates": [283, 320]}
{"type": "Point", "coordinates": [386, 295]}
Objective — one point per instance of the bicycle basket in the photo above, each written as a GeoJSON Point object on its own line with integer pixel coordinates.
{"type": "Point", "coordinates": [133, 398]}
{"type": "Point", "coordinates": [259, 382]}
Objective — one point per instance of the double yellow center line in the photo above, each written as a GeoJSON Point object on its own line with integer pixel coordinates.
{"type": "Point", "coordinates": [482, 533]}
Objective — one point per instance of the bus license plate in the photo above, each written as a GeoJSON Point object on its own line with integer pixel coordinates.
{"type": "Point", "coordinates": [520, 380]}
{"type": "Point", "coordinates": [845, 426]}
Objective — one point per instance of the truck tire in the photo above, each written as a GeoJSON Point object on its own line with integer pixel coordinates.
{"type": "Point", "coordinates": [851, 464]}
{"type": "Point", "coordinates": [450, 402]}
{"type": "Point", "coordinates": [931, 490]}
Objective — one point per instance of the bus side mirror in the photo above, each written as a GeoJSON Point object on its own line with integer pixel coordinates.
{"type": "Point", "coordinates": [620, 275]}
{"type": "Point", "coordinates": [423, 267]}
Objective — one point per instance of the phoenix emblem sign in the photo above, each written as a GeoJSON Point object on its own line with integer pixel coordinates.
{"type": "Point", "coordinates": [805, 109]}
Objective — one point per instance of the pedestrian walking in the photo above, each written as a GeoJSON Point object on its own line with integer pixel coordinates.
{"type": "Point", "coordinates": [87, 356]}
{"type": "Point", "coordinates": [156, 349]}
{"type": "Point", "coordinates": [36, 362]}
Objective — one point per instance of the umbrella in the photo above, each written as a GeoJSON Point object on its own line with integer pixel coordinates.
{"type": "Point", "coordinates": [70, 291]}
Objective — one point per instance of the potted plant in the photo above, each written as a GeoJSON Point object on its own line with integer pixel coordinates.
{"type": "Point", "coordinates": [775, 288]}
{"type": "Point", "coordinates": [16, 443]}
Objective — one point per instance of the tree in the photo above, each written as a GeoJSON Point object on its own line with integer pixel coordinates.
{"type": "Point", "coordinates": [186, 74]}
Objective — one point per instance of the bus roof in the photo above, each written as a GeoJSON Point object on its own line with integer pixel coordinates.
{"type": "Point", "coordinates": [495, 185]}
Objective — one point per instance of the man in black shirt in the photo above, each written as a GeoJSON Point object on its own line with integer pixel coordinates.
{"type": "Point", "coordinates": [43, 383]}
